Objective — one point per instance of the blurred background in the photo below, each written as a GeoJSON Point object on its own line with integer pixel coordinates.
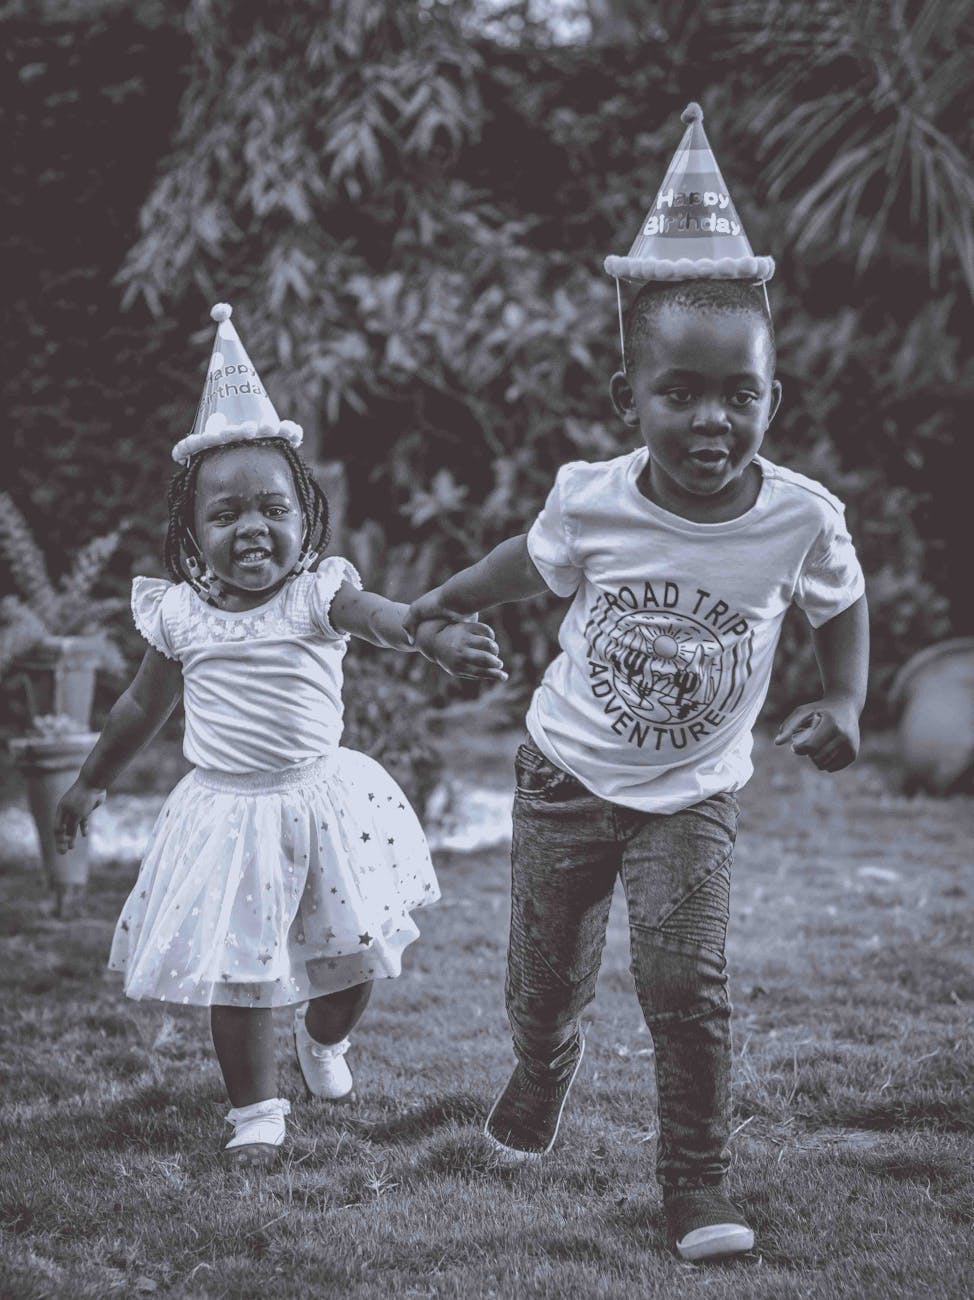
{"type": "Point", "coordinates": [408, 205]}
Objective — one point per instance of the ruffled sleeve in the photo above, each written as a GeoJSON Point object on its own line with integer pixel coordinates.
{"type": "Point", "coordinates": [325, 585]}
{"type": "Point", "coordinates": [148, 599]}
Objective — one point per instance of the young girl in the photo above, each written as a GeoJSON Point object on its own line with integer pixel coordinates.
{"type": "Point", "coordinates": [283, 868]}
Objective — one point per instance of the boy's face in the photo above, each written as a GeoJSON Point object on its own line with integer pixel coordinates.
{"type": "Point", "coordinates": [248, 518]}
{"type": "Point", "coordinates": [703, 394]}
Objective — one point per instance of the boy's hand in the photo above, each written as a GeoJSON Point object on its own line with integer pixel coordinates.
{"type": "Point", "coordinates": [461, 649]}
{"type": "Point", "coordinates": [76, 806]}
{"type": "Point", "coordinates": [828, 732]}
{"type": "Point", "coordinates": [427, 607]}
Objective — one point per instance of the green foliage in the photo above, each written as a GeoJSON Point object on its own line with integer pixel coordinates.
{"type": "Point", "coordinates": [43, 609]}
{"type": "Point", "coordinates": [409, 206]}
{"type": "Point", "coordinates": [386, 718]}
{"type": "Point", "coordinates": [856, 119]}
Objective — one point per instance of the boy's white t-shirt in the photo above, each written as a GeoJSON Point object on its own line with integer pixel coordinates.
{"type": "Point", "coordinates": [668, 645]}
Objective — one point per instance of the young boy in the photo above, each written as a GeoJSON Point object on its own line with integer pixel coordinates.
{"type": "Point", "coordinates": [682, 559]}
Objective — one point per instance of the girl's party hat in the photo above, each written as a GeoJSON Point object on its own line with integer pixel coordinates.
{"type": "Point", "coordinates": [692, 231]}
{"type": "Point", "coordinates": [234, 406]}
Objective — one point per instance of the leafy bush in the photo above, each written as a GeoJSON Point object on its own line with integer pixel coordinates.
{"type": "Point", "coordinates": [386, 718]}
{"type": "Point", "coordinates": [43, 609]}
{"type": "Point", "coordinates": [410, 205]}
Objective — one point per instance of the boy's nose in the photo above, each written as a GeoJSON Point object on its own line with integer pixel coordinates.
{"type": "Point", "coordinates": [710, 415]}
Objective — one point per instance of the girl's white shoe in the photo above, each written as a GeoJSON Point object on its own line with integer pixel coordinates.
{"type": "Point", "coordinates": [323, 1069]}
{"type": "Point", "coordinates": [258, 1132]}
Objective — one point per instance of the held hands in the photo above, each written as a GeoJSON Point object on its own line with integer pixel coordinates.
{"type": "Point", "coordinates": [76, 806]}
{"type": "Point", "coordinates": [430, 607]}
{"type": "Point", "coordinates": [461, 649]}
{"type": "Point", "coordinates": [827, 731]}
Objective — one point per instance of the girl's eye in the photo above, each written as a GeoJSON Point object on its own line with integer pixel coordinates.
{"type": "Point", "coordinates": [225, 517]}
{"type": "Point", "coordinates": [277, 512]}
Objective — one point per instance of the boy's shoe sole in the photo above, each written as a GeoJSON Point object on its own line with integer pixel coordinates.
{"type": "Point", "coordinates": [705, 1225]}
{"type": "Point", "coordinates": [520, 1082]}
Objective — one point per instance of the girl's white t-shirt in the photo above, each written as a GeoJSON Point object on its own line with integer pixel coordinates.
{"type": "Point", "coordinates": [667, 648]}
{"type": "Point", "coordinates": [262, 689]}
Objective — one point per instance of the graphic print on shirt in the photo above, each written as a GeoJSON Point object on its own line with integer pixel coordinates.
{"type": "Point", "coordinates": [667, 668]}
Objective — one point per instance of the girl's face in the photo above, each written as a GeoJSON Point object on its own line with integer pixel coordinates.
{"type": "Point", "coordinates": [248, 522]}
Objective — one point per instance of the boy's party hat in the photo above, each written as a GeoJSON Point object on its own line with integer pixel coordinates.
{"type": "Point", "coordinates": [234, 406]}
{"type": "Point", "coordinates": [692, 231]}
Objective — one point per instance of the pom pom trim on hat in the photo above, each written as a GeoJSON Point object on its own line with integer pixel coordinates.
{"type": "Point", "coordinates": [220, 312]}
{"type": "Point", "coordinates": [190, 446]}
{"type": "Point", "coordinates": [757, 269]}
{"type": "Point", "coordinates": [692, 113]}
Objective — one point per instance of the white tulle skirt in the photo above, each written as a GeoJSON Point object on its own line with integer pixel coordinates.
{"type": "Point", "coordinates": [268, 888]}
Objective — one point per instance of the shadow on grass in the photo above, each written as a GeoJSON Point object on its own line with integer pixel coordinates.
{"type": "Point", "coordinates": [941, 1114]}
{"type": "Point", "coordinates": [454, 1108]}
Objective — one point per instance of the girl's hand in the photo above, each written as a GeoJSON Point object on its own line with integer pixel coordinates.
{"type": "Point", "coordinates": [827, 731]}
{"type": "Point", "coordinates": [461, 649]}
{"type": "Point", "coordinates": [76, 806]}
{"type": "Point", "coordinates": [428, 607]}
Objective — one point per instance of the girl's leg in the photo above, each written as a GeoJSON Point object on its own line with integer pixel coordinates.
{"type": "Point", "coordinates": [331, 1017]}
{"type": "Point", "coordinates": [244, 1042]}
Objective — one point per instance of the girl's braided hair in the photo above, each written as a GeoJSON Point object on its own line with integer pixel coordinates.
{"type": "Point", "coordinates": [180, 542]}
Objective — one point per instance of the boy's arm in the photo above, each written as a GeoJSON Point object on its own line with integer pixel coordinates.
{"type": "Point", "coordinates": [135, 718]}
{"type": "Point", "coordinates": [467, 650]}
{"type": "Point", "coordinates": [507, 573]}
{"type": "Point", "coordinates": [842, 651]}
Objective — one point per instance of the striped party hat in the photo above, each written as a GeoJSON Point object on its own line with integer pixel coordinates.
{"type": "Point", "coordinates": [692, 231]}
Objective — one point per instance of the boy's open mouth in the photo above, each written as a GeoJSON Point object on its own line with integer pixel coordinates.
{"type": "Point", "coordinates": [710, 456]}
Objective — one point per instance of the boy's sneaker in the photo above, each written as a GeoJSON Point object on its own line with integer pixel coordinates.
{"type": "Point", "coordinates": [258, 1133]}
{"type": "Point", "coordinates": [703, 1224]}
{"type": "Point", "coordinates": [323, 1068]}
{"type": "Point", "coordinates": [523, 1123]}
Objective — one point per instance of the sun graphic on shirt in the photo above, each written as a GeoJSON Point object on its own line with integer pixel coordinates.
{"type": "Point", "coordinates": [666, 669]}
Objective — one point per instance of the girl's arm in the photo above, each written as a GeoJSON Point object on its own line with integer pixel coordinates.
{"type": "Point", "coordinates": [462, 649]}
{"type": "Point", "coordinates": [135, 718]}
{"type": "Point", "coordinates": [506, 574]}
{"type": "Point", "coordinates": [830, 726]}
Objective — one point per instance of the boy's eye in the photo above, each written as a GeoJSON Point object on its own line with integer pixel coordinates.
{"type": "Point", "coordinates": [679, 395]}
{"type": "Point", "coordinates": [744, 398]}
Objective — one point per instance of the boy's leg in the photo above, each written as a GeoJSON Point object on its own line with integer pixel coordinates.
{"type": "Point", "coordinates": [564, 862]}
{"type": "Point", "coordinates": [676, 871]}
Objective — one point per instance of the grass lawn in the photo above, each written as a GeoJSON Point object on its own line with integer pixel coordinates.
{"type": "Point", "coordinates": [853, 988]}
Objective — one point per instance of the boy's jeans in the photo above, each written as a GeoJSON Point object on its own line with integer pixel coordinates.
{"type": "Point", "coordinates": [569, 846]}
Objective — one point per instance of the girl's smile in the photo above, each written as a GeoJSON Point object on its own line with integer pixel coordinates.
{"type": "Point", "coordinates": [249, 522]}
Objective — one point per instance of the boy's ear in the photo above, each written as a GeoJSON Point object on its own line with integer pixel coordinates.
{"type": "Point", "coordinates": [775, 399]}
{"type": "Point", "coordinates": [623, 402]}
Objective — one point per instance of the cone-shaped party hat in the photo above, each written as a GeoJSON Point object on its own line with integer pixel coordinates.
{"type": "Point", "coordinates": [234, 406]}
{"type": "Point", "coordinates": [692, 231]}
